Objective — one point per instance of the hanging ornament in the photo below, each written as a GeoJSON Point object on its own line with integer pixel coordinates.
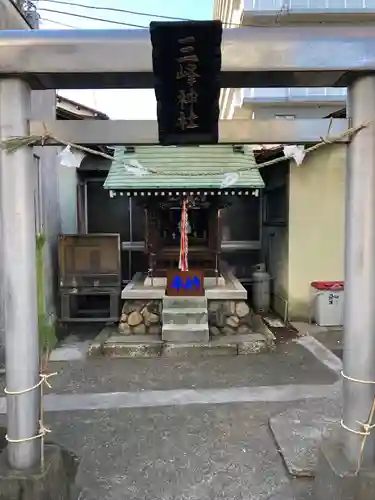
{"type": "Point", "coordinates": [229, 179]}
{"type": "Point", "coordinates": [183, 260]}
{"type": "Point", "coordinates": [68, 158]}
{"type": "Point", "coordinates": [296, 152]}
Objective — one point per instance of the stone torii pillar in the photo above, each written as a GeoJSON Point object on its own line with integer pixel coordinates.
{"type": "Point", "coordinates": [345, 451]}
{"type": "Point", "coordinates": [18, 278]}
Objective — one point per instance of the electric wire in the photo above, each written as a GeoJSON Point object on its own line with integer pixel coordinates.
{"type": "Point", "coordinates": [279, 14]}
{"type": "Point", "coordinates": [113, 9]}
{"type": "Point", "coordinates": [58, 22]}
{"type": "Point", "coordinates": [81, 16]}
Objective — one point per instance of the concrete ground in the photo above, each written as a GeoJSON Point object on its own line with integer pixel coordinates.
{"type": "Point", "coordinates": [331, 337]}
{"type": "Point", "coordinates": [289, 364]}
{"type": "Point", "coordinates": [210, 428]}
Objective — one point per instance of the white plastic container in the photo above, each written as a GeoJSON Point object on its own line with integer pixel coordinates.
{"type": "Point", "coordinates": [327, 303]}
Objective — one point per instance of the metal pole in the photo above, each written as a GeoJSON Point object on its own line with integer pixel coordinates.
{"type": "Point", "coordinates": [130, 255]}
{"type": "Point", "coordinates": [359, 318]}
{"type": "Point", "coordinates": [18, 280]}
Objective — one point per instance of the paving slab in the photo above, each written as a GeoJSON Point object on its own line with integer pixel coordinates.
{"type": "Point", "coordinates": [211, 452]}
{"type": "Point", "coordinates": [296, 489]}
{"type": "Point", "coordinates": [327, 356]}
{"type": "Point", "coordinates": [71, 351]}
{"type": "Point", "coordinates": [289, 364]}
{"type": "Point", "coordinates": [332, 339]}
{"type": "Point", "coordinates": [299, 430]}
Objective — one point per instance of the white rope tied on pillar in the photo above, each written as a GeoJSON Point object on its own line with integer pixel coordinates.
{"type": "Point", "coordinates": [43, 380]}
{"type": "Point", "coordinates": [43, 430]}
{"type": "Point", "coordinates": [366, 427]}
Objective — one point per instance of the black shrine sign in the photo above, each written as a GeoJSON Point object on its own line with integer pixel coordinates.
{"type": "Point", "coordinates": [186, 59]}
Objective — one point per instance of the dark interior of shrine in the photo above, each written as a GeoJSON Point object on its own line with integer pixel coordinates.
{"type": "Point", "coordinates": [197, 226]}
{"type": "Point", "coordinates": [162, 236]}
{"type": "Point", "coordinates": [240, 221]}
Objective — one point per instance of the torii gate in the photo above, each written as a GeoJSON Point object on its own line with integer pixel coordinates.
{"type": "Point", "coordinates": [320, 56]}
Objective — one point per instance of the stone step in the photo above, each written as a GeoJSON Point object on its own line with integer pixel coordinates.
{"type": "Point", "coordinates": [133, 339]}
{"type": "Point", "coordinates": [184, 302]}
{"type": "Point", "coordinates": [185, 316]}
{"type": "Point", "coordinates": [185, 333]}
{"type": "Point", "coordinates": [199, 349]}
{"type": "Point", "coordinates": [133, 346]}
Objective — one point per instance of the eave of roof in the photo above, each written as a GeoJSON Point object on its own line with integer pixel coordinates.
{"type": "Point", "coordinates": [193, 167]}
{"type": "Point", "coordinates": [92, 113]}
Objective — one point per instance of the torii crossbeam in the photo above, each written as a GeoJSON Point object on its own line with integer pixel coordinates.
{"type": "Point", "coordinates": [314, 56]}
{"type": "Point", "coordinates": [308, 56]}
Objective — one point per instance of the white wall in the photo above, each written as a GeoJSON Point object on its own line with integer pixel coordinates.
{"type": "Point", "coordinates": [68, 199]}
{"type": "Point", "coordinates": [316, 224]}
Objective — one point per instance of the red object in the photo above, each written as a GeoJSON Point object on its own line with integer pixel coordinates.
{"type": "Point", "coordinates": [328, 285]}
{"type": "Point", "coordinates": [183, 261]}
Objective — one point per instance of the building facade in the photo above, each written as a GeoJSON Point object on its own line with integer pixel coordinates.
{"type": "Point", "coordinates": [268, 103]}
{"type": "Point", "coordinates": [18, 15]}
{"type": "Point", "coordinates": [303, 226]}
{"type": "Point", "coordinates": [302, 231]}
{"type": "Point", "coordinates": [54, 186]}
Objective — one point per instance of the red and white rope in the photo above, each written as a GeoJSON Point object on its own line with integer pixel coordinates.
{"type": "Point", "coordinates": [183, 261]}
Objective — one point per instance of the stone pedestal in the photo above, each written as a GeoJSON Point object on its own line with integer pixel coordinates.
{"type": "Point", "coordinates": [335, 477]}
{"type": "Point", "coordinates": [229, 317]}
{"type": "Point", "coordinates": [54, 482]}
{"type": "Point", "coordinates": [141, 317]}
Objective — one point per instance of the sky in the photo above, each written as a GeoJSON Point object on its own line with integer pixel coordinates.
{"type": "Point", "coordinates": [118, 104]}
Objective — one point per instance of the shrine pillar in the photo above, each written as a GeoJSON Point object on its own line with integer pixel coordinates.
{"type": "Point", "coordinates": [18, 286]}
{"type": "Point", "coordinates": [346, 464]}
{"type": "Point", "coordinates": [359, 318]}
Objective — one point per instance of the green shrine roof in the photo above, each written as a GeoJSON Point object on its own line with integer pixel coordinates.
{"type": "Point", "coordinates": [176, 167]}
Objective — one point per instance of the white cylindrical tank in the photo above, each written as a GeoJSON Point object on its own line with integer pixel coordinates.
{"type": "Point", "coordinates": [261, 289]}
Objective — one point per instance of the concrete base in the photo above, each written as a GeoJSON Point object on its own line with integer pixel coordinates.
{"type": "Point", "coordinates": [147, 346]}
{"type": "Point", "coordinates": [134, 346]}
{"type": "Point", "coordinates": [53, 483]}
{"type": "Point", "coordinates": [335, 477]}
{"type": "Point", "coordinates": [230, 290]}
{"type": "Point", "coordinates": [96, 347]}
